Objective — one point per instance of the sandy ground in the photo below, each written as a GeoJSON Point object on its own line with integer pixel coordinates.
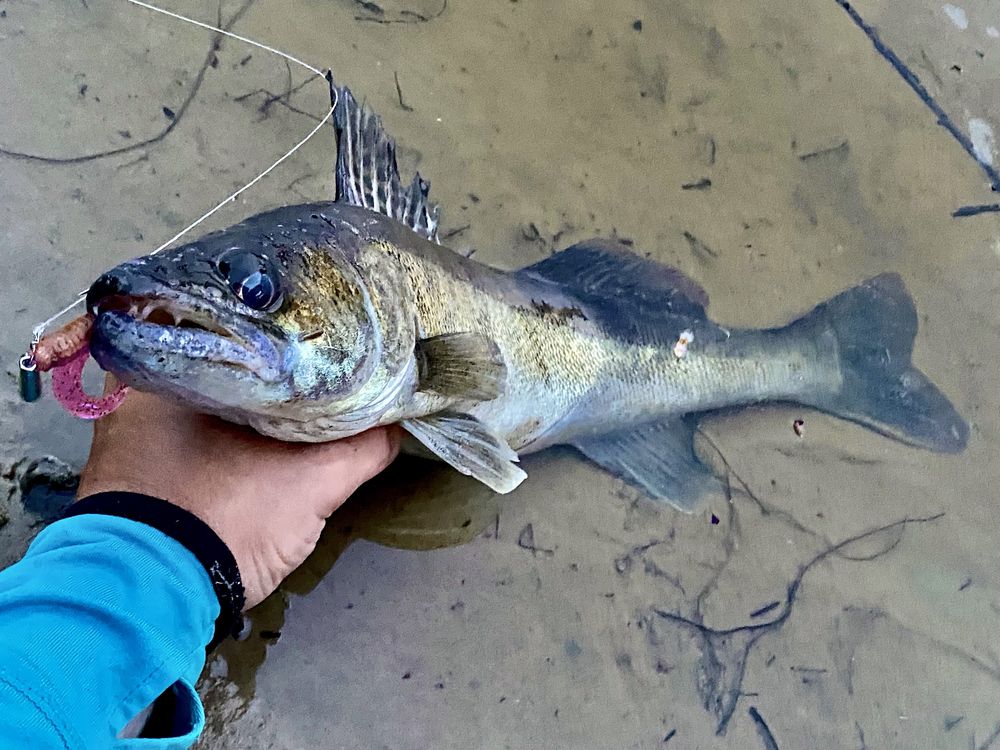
{"type": "Point", "coordinates": [848, 595]}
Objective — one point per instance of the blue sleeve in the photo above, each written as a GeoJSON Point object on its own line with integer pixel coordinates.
{"type": "Point", "coordinates": [100, 617]}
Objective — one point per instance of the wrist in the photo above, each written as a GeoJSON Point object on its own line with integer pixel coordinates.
{"type": "Point", "coordinates": [190, 531]}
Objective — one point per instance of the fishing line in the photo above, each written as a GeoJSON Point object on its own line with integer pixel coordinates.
{"type": "Point", "coordinates": [40, 328]}
{"type": "Point", "coordinates": [27, 363]}
{"type": "Point", "coordinates": [217, 30]}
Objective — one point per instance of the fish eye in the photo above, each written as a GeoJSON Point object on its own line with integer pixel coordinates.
{"type": "Point", "coordinates": [251, 278]}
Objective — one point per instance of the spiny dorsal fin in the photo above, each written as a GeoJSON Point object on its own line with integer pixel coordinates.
{"type": "Point", "coordinates": [367, 174]}
{"type": "Point", "coordinates": [604, 267]}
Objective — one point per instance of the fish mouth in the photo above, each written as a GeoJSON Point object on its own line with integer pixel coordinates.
{"type": "Point", "coordinates": [163, 331]}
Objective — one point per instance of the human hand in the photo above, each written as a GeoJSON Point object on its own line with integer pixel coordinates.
{"type": "Point", "coordinates": [267, 500]}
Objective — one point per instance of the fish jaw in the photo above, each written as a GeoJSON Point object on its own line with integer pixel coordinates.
{"type": "Point", "coordinates": [164, 341]}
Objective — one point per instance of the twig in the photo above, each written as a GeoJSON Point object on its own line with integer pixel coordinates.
{"type": "Point", "coordinates": [988, 742]}
{"type": "Point", "coordinates": [399, 92]}
{"type": "Point", "coordinates": [526, 540]}
{"type": "Point", "coordinates": [763, 730]}
{"type": "Point", "coordinates": [739, 640]}
{"type": "Point", "coordinates": [405, 16]}
{"type": "Point", "coordinates": [171, 124]}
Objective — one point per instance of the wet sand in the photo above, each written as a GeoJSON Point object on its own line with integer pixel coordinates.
{"type": "Point", "coordinates": [847, 594]}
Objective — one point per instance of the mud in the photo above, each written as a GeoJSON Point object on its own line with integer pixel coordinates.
{"type": "Point", "coordinates": [842, 591]}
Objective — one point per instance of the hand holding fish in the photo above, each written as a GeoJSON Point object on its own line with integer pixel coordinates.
{"type": "Point", "coordinates": [267, 500]}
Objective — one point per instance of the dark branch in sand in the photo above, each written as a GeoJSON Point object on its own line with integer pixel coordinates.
{"type": "Point", "coordinates": [377, 14]}
{"type": "Point", "coordinates": [699, 249]}
{"type": "Point", "coordinates": [728, 546]}
{"type": "Point", "coordinates": [292, 186]}
{"type": "Point", "coordinates": [861, 737]}
{"type": "Point", "coordinates": [725, 651]}
{"type": "Point", "coordinates": [703, 184]}
{"type": "Point", "coordinates": [283, 99]}
{"type": "Point", "coordinates": [763, 730]}
{"type": "Point", "coordinates": [838, 148]}
{"type": "Point", "coordinates": [623, 564]}
{"type": "Point", "coordinates": [769, 607]}
{"type": "Point", "coordinates": [650, 568]}
{"type": "Point", "coordinates": [988, 742]}
{"type": "Point", "coordinates": [766, 509]}
{"type": "Point", "coordinates": [526, 540]}
{"type": "Point", "coordinates": [171, 124]}
{"type": "Point", "coordinates": [453, 233]}
{"type": "Point", "coordinates": [399, 93]}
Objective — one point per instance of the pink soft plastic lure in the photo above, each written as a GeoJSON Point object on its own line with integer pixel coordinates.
{"type": "Point", "coordinates": [67, 385]}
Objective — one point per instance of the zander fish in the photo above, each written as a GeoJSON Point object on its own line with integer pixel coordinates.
{"type": "Point", "coordinates": [314, 322]}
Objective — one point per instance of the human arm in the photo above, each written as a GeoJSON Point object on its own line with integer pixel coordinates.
{"type": "Point", "coordinates": [266, 501]}
{"type": "Point", "coordinates": [100, 617]}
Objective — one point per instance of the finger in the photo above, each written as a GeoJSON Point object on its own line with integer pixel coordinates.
{"type": "Point", "coordinates": [362, 456]}
{"type": "Point", "coordinates": [351, 462]}
{"type": "Point", "coordinates": [110, 384]}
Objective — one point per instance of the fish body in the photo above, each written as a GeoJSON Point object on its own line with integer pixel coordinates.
{"type": "Point", "coordinates": [566, 374]}
{"type": "Point", "coordinates": [316, 322]}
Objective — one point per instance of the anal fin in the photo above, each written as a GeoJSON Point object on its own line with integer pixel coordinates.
{"type": "Point", "coordinates": [658, 458]}
{"type": "Point", "coordinates": [464, 443]}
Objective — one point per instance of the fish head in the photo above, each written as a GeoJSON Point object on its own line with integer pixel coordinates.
{"type": "Point", "coordinates": [267, 320]}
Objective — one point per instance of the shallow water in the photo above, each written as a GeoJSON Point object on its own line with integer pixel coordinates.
{"type": "Point", "coordinates": [848, 593]}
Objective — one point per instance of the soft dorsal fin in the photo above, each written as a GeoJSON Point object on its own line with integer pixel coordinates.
{"type": "Point", "coordinates": [607, 268]}
{"type": "Point", "coordinates": [367, 174]}
{"type": "Point", "coordinates": [636, 299]}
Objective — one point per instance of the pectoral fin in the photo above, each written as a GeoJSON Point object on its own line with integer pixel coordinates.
{"type": "Point", "coordinates": [463, 442]}
{"type": "Point", "coordinates": [467, 366]}
{"type": "Point", "coordinates": [657, 458]}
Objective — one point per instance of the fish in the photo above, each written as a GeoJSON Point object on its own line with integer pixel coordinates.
{"type": "Point", "coordinates": [318, 321]}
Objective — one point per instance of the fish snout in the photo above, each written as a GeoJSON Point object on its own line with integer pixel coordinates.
{"type": "Point", "coordinates": [118, 284]}
{"type": "Point", "coordinates": [114, 283]}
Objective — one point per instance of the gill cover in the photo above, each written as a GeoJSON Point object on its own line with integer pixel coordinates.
{"type": "Point", "coordinates": [463, 366]}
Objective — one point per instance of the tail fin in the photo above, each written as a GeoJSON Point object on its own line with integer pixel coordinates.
{"type": "Point", "coordinates": [875, 324]}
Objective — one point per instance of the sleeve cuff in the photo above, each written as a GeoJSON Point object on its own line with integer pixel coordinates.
{"type": "Point", "coordinates": [194, 534]}
{"type": "Point", "coordinates": [177, 720]}
{"type": "Point", "coordinates": [101, 617]}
